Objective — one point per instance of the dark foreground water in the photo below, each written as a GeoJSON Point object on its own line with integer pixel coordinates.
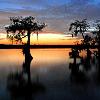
{"type": "Point", "coordinates": [50, 70]}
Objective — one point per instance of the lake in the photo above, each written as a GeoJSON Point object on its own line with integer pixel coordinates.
{"type": "Point", "coordinates": [50, 67]}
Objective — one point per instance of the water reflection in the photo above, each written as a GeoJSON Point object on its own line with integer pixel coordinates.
{"type": "Point", "coordinates": [50, 70]}
{"type": "Point", "coordinates": [20, 85]}
{"type": "Point", "coordinates": [77, 75]}
{"type": "Point", "coordinates": [86, 69]}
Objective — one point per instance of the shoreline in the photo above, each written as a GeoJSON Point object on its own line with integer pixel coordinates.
{"type": "Point", "coordinates": [3, 46]}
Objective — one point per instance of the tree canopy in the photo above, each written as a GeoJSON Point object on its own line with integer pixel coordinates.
{"type": "Point", "coordinates": [24, 24]}
{"type": "Point", "coordinates": [79, 27]}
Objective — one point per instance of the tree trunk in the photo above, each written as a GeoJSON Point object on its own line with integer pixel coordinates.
{"type": "Point", "coordinates": [12, 40]}
{"type": "Point", "coordinates": [88, 53]}
{"type": "Point", "coordinates": [26, 49]}
{"type": "Point", "coordinates": [98, 58]}
{"type": "Point", "coordinates": [99, 50]}
{"type": "Point", "coordinates": [37, 36]}
{"type": "Point", "coordinates": [83, 35]}
{"type": "Point", "coordinates": [99, 54]}
{"type": "Point", "coordinates": [28, 41]}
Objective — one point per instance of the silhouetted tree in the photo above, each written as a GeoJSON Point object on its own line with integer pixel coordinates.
{"type": "Point", "coordinates": [74, 54]}
{"type": "Point", "coordinates": [97, 41]}
{"type": "Point", "coordinates": [79, 27]}
{"type": "Point", "coordinates": [97, 33]}
{"type": "Point", "coordinates": [26, 24]}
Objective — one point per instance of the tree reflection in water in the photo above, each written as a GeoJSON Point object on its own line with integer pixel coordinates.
{"type": "Point", "coordinates": [80, 70]}
{"type": "Point", "coordinates": [20, 85]}
{"type": "Point", "coordinates": [77, 75]}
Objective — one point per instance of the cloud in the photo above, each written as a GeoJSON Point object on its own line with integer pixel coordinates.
{"type": "Point", "coordinates": [56, 13]}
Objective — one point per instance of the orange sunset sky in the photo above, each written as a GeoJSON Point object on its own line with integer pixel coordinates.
{"type": "Point", "coordinates": [57, 14]}
{"type": "Point", "coordinates": [44, 39]}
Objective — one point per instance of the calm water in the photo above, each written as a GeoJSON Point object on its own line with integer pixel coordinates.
{"type": "Point", "coordinates": [51, 68]}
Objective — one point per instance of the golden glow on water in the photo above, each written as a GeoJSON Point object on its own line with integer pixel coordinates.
{"type": "Point", "coordinates": [11, 57]}
{"type": "Point", "coordinates": [41, 57]}
{"type": "Point", "coordinates": [49, 56]}
{"type": "Point", "coordinates": [45, 62]}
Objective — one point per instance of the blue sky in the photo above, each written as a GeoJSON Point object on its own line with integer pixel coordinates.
{"type": "Point", "coordinates": [58, 14]}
